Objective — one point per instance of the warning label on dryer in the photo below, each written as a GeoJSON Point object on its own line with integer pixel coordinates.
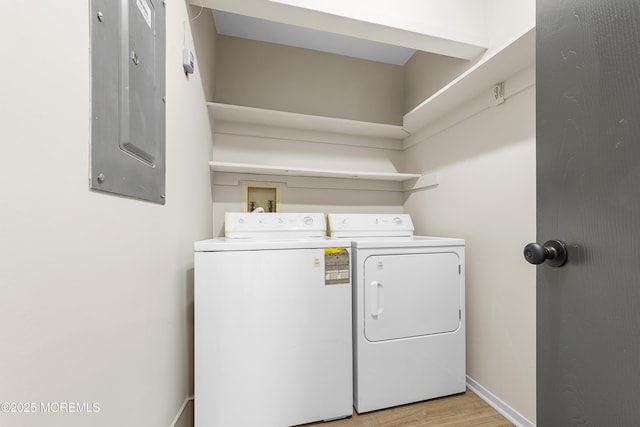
{"type": "Point", "coordinates": [337, 266]}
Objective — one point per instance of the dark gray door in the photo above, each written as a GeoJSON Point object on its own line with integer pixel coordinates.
{"type": "Point", "coordinates": [588, 178]}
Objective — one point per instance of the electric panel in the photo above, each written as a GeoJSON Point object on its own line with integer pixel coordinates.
{"type": "Point", "coordinates": [128, 98]}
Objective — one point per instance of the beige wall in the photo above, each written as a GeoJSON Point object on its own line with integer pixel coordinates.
{"type": "Point", "coordinates": [487, 196]}
{"type": "Point", "coordinates": [426, 73]}
{"type": "Point", "coordinates": [96, 289]}
{"type": "Point", "coordinates": [304, 195]}
{"type": "Point", "coordinates": [266, 75]}
{"type": "Point", "coordinates": [315, 150]}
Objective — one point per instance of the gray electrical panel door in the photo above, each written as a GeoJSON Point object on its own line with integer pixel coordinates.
{"type": "Point", "coordinates": [127, 98]}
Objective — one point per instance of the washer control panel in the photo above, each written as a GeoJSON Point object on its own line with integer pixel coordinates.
{"type": "Point", "coordinates": [274, 225]}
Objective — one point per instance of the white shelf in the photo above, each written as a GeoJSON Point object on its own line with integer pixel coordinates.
{"type": "Point", "coordinates": [310, 172]}
{"type": "Point", "coordinates": [494, 68]}
{"type": "Point", "coordinates": [242, 114]}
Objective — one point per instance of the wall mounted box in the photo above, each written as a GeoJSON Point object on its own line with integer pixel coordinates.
{"type": "Point", "coordinates": [261, 194]}
{"type": "Point", "coordinates": [128, 98]}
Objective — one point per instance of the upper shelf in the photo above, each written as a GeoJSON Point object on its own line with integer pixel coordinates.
{"type": "Point", "coordinates": [498, 65]}
{"type": "Point", "coordinates": [495, 67]}
{"type": "Point", "coordinates": [312, 172]}
{"type": "Point", "coordinates": [238, 113]}
{"type": "Point", "coordinates": [340, 27]}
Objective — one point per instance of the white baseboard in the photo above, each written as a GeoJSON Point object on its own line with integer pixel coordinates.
{"type": "Point", "coordinates": [498, 404]}
{"type": "Point", "coordinates": [492, 400]}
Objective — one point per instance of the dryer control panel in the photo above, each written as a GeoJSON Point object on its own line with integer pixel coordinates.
{"type": "Point", "coordinates": [370, 225]}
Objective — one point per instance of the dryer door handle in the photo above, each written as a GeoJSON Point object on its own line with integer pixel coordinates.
{"type": "Point", "coordinates": [376, 299]}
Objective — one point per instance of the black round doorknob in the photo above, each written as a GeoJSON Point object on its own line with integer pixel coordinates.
{"type": "Point", "coordinates": [553, 251]}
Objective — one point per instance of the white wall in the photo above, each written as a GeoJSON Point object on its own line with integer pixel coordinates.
{"type": "Point", "coordinates": [454, 28]}
{"type": "Point", "coordinates": [487, 196]}
{"type": "Point", "coordinates": [455, 19]}
{"type": "Point", "coordinates": [507, 18]}
{"type": "Point", "coordinates": [96, 289]}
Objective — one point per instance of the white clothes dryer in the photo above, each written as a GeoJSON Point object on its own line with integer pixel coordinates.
{"type": "Point", "coordinates": [273, 335]}
{"type": "Point", "coordinates": [408, 311]}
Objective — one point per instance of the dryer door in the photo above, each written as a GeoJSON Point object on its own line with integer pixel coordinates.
{"type": "Point", "coordinates": [411, 295]}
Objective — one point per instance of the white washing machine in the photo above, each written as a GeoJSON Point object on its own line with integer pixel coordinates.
{"type": "Point", "coordinates": [273, 335]}
{"type": "Point", "coordinates": [408, 312]}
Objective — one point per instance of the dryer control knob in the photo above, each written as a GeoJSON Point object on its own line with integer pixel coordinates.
{"type": "Point", "coordinates": [397, 220]}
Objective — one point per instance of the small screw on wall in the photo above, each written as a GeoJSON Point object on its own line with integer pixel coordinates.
{"type": "Point", "coordinates": [100, 178]}
{"type": "Point", "coordinates": [100, 17]}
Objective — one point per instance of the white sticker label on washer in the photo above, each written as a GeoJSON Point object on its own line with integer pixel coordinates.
{"type": "Point", "coordinates": [337, 266]}
{"type": "Point", "coordinates": [145, 11]}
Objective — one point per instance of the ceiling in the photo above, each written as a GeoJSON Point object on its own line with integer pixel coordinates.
{"type": "Point", "coordinates": [232, 24]}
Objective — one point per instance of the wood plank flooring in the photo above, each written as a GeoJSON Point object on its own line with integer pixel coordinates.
{"type": "Point", "coordinates": [465, 409]}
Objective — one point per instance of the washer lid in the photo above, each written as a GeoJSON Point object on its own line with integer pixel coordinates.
{"type": "Point", "coordinates": [365, 225]}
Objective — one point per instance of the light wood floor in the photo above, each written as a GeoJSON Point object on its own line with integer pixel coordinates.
{"type": "Point", "coordinates": [465, 409]}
